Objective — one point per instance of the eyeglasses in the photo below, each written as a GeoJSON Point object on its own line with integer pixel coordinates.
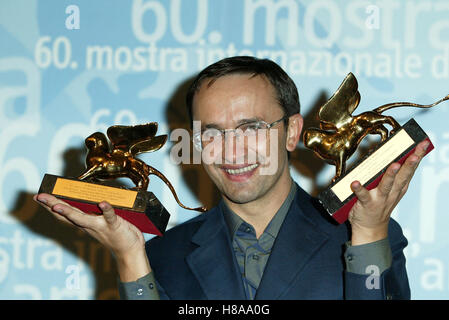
{"type": "Point", "coordinates": [248, 129]}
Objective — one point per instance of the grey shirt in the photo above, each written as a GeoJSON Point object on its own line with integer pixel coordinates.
{"type": "Point", "coordinates": [252, 254]}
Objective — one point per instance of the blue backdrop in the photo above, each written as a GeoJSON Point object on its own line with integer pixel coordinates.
{"type": "Point", "coordinates": [70, 68]}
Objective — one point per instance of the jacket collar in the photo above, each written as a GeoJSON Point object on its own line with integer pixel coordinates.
{"type": "Point", "coordinates": [298, 239]}
{"type": "Point", "coordinates": [214, 264]}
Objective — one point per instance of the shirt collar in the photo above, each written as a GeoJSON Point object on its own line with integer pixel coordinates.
{"type": "Point", "coordinates": [233, 220]}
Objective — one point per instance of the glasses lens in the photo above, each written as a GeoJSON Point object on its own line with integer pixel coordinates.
{"type": "Point", "coordinates": [210, 135]}
{"type": "Point", "coordinates": [197, 141]}
{"type": "Point", "coordinates": [251, 128]}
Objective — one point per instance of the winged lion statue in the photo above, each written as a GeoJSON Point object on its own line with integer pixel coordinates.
{"type": "Point", "coordinates": [104, 162]}
{"type": "Point", "coordinates": [340, 132]}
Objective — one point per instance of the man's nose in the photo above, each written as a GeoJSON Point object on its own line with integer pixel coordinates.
{"type": "Point", "coordinates": [233, 148]}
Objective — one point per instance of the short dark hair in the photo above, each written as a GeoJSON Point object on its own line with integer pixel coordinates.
{"type": "Point", "coordinates": [287, 93]}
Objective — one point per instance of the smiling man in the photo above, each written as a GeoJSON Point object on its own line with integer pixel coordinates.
{"type": "Point", "coordinates": [267, 238]}
{"type": "Point", "coordinates": [234, 101]}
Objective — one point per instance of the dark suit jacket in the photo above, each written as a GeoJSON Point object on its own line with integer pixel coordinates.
{"type": "Point", "coordinates": [195, 260]}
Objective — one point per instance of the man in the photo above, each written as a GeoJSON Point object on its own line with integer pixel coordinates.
{"type": "Point", "coordinates": [266, 239]}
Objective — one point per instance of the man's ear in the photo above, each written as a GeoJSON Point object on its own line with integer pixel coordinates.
{"type": "Point", "coordinates": [295, 123]}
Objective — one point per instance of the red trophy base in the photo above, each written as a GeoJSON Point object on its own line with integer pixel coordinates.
{"type": "Point", "coordinates": [141, 208]}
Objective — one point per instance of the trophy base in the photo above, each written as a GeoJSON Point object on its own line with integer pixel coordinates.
{"type": "Point", "coordinates": [338, 198]}
{"type": "Point", "coordinates": [141, 208]}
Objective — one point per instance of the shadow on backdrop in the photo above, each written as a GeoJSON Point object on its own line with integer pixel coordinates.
{"type": "Point", "coordinates": [194, 175]}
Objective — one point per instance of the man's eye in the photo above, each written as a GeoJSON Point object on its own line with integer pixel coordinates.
{"type": "Point", "coordinates": [211, 133]}
{"type": "Point", "coordinates": [250, 127]}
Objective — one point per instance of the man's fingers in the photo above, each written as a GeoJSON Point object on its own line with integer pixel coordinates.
{"type": "Point", "coordinates": [421, 148]}
{"type": "Point", "coordinates": [396, 179]}
{"type": "Point", "coordinates": [64, 212]}
{"type": "Point", "coordinates": [47, 201]}
{"type": "Point", "coordinates": [361, 193]}
{"type": "Point", "coordinates": [408, 169]}
{"type": "Point", "coordinates": [71, 215]}
{"type": "Point", "coordinates": [411, 163]}
{"type": "Point", "coordinates": [75, 216]}
{"type": "Point", "coordinates": [108, 212]}
{"type": "Point", "coordinates": [387, 182]}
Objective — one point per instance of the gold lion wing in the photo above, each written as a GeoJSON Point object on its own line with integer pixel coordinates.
{"type": "Point", "coordinates": [337, 111]}
{"type": "Point", "coordinates": [136, 139]}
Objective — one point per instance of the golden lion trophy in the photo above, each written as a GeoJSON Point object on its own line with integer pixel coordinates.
{"type": "Point", "coordinates": [340, 134]}
{"type": "Point", "coordinates": [104, 162]}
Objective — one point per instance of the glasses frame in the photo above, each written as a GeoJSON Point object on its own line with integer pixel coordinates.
{"type": "Point", "coordinates": [198, 142]}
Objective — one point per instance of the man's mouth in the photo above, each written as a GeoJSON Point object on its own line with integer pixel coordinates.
{"type": "Point", "coordinates": [240, 173]}
{"type": "Point", "coordinates": [241, 170]}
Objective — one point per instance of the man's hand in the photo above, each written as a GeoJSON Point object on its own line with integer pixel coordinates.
{"type": "Point", "coordinates": [370, 215]}
{"type": "Point", "coordinates": [125, 241]}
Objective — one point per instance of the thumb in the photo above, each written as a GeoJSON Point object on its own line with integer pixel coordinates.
{"type": "Point", "coordinates": [108, 212]}
{"type": "Point", "coordinates": [361, 193]}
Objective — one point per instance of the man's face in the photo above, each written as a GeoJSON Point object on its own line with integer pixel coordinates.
{"type": "Point", "coordinates": [238, 166]}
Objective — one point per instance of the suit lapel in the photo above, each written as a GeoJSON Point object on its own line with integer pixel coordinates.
{"type": "Point", "coordinates": [298, 239]}
{"type": "Point", "coordinates": [213, 263]}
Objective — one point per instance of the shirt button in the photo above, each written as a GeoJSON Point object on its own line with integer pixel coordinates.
{"type": "Point", "coordinates": [350, 257]}
{"type": "Point", "coordinates": [255, 257]}
{"type": "Point", "coordinates": [139, 292]}
{"type": "Point", "coordinates": [151, 286]}
{"type": "Point", "coordinates": [248, 229]}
